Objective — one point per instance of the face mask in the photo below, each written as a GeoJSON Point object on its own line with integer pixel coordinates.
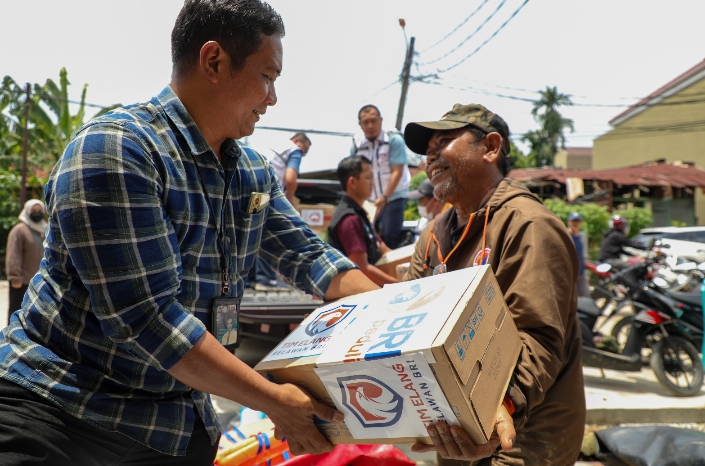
{"type": "Point", "coordinates": [36, 217]}
{"type": "Point", "coordinates": [423, 211]}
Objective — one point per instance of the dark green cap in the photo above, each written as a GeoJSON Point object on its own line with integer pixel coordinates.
{"type": "Point", "coordinates": [417, 135]}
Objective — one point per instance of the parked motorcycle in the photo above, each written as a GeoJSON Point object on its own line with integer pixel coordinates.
{"type": "Point", "coordinates": [656, 325]}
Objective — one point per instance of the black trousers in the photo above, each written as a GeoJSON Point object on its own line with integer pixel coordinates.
{"type": "Point", "coordinates": [16, 297]}
{"type": "Point", "coordinates": [35, 432]}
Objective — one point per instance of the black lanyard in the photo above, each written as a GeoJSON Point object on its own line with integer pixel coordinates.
{"type": "Point", "coordinates": [223, 240]}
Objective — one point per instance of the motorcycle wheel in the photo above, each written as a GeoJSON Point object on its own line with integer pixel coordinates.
{"type": "Point", "coordinates": [677, 366]}
{"type": "Point", "coordinates": [621, 330]}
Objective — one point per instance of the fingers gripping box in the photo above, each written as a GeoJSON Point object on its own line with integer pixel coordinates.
{"type": "Point", "coordinates": [437, 348]}
{"type": "Point", "coordinates": [294, 359]}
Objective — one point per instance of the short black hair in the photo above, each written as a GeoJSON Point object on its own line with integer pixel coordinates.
{"type": "Point", "coordinates": [350, 166]}
{"type": "Point", "coordinates": [237, 25]}
{"type": "Point", "coordinates": [479, 134]}
{"type": "Point", "coordinates": [366, 109]}
{"type": "Point", "coordinates": [301, 135]}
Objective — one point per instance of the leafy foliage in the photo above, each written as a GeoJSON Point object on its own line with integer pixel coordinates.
{"type": "Point", "coordinates": [49, 129]}
{"type": "Point", "coordinates": [595, 218]}
{"type": "Point", "coordinates": [411, 213]}
{"type": "Point", "coordinates": [517, 159]}
{"type": "Point", "coordinates": [638, 218]}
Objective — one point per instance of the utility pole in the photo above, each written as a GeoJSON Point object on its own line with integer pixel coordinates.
{"type": "Point", "coordinates": [405, 81]}
{"type": "Point", "coordinates": [25, 143]}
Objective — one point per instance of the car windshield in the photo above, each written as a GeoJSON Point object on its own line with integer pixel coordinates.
{"type": "Point", "coordinates": [643, 238]}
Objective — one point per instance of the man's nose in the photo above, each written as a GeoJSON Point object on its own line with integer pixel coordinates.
{"type": "Point", "coordinates": [272, 96]}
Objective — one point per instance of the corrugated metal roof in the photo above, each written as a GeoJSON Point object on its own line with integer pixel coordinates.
{"type": "Point", "coordinates": [649, 174]}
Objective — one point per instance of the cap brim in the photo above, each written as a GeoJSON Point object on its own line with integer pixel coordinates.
{"type": "Point", "coordinates": [414, 195]}
{"type": "Point", "coordinates": [416, 135]}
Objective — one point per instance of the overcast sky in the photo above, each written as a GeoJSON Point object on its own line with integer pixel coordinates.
{"type": "Point", "coordinates": [339, 56]}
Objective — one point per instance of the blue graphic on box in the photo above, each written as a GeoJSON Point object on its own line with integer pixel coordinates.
{"type": "Point", "coordinates": [407, 296]}
{"type": "Point", "coordinates": [326, 320]}
{"type": "Point", "coordinates": [469, 330]}
{"type": "Point", "coordinates": [372, 401]}
{"type": "Point", "coordinates": [489, 293]}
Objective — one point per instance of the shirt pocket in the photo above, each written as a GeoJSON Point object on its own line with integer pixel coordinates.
{"type": "Point", "coordinates": [248, 235]}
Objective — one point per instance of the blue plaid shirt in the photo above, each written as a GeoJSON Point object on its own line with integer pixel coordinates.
{"type": "Point", "coordinates": [131, 265]}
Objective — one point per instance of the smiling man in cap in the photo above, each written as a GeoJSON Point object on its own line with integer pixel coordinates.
{"type": "Point", "coordinates": [497, 221]}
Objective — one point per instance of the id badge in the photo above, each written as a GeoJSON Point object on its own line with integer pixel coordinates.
{"type": "Point", "coordinates": [225, 315]}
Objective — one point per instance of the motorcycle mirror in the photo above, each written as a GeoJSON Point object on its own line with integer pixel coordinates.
{"type": "Point", "coordinates": [660, 282]}
{"type": "Point", "coordinates": [604, 268]}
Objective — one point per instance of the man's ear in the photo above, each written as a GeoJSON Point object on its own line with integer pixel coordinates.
{"type": "Point", "coordinates": [212, 61]}
{"type": "Point", "coordinates": [493, 142]}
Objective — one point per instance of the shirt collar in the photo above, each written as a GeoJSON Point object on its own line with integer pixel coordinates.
{"type": "Point", "coordinates": [178, 114]}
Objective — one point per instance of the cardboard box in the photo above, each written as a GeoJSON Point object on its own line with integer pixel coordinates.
{"type": "Point", "coordinates": [318, 216]}
{"type": "Point", "coordinates": [388, 263]}
{"type": "Point", "coordinates": [437, 348]}
{"type": "Point", "coordinates": [294, 359]}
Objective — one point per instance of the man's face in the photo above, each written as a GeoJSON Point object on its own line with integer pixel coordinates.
{"type": "Point", "coordinates": [364, 184]}
{"type": "Point", "coordinates": [229, 324]}
{"type": "Point", "coordinates": [247, 93]}
{"type": "Point", "coordinates": [454, 158]}
{"type": "Point", "coordinates": [371, 123]}
{"type": "Point", "coordinates": [575, 224]}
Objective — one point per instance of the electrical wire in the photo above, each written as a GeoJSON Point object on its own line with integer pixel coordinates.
{"type": "Point", "coordinates": [458, 26]}
{"type": "Point", "coordinates": [380, 91]}
{"type": "Point", "coordinates": [499, 7]}
{"type": "Point", "coordinates": [486, 40]}
{"type": "Point", "coordinates": [86, 104]}
{"type": "Point", "coordinates": [575, 104]}
{"type": "Point", "coordinates": [312, 131]}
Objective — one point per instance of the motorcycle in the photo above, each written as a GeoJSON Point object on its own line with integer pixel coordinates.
{"type": "Point", "coordinates": [656, 325]}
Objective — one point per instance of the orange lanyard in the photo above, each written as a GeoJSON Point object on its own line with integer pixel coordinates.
{"type": "Point", "coordinates": [441, 268]}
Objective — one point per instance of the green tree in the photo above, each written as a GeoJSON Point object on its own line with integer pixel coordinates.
{"type": "Point", "coordinates": [539, 149]}
{"type": "Point", "coordinates": [411, 213]}
{"type": "Point", "coordinates": [517, 159]}
{"type": "Point", "coordinates": [638, 218]}
{"type": "Point", "coordinates": [595, 218]}
{"type": "Point", "coordinates": [52, 118]}
{"type": "Point", "coordinates": [553, 124]}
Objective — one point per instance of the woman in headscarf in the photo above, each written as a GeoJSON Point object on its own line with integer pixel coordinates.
{"type": "Point", "coordinates": [24, 251]}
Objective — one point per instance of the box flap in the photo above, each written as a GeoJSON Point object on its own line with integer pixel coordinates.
{"type": "Point", "coordinates": [497, 366]}
{"type": "Point", "coordinates": [319, 328]}
{"type": "Point", "coordinates": [470, 337]}
{"type": "Point", "coordinates": [403, 318]}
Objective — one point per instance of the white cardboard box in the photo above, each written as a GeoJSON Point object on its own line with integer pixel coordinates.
{"type": "Point", "coordinates": [437, 348]}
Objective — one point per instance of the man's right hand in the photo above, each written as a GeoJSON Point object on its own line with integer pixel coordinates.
{"type": "Point", "coordinates": [16, 284]}
{"type": "Point", "coordinates": [292, 418]}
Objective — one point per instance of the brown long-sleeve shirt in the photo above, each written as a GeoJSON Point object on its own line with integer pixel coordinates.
{"type": "Point", "coordinates": [24, 253]}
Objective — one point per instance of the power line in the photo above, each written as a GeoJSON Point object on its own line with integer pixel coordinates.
{"type": "Point", "coordinates": [575, 104]}
{"type": "Point", "coordinates": [458, 26]}
{"type": "Point", "coordinates": [312, 131]}
{"type": "Point", "coordinates": [499, 7]}
{"type": "Point", "coordinates": [487, 40]}
{"type": "Point", "coordinates": [380, 91]}
{"type": "Point", "coordinates": [59, 99]}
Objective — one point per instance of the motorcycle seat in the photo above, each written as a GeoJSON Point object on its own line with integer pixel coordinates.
{"type": "Point", "coordinates": [691, 299]}
{"type": "Point", "coordinates": [588, 306]}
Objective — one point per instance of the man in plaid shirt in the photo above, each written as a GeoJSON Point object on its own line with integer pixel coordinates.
{"type": "Point", "coordinates": [109, 361]}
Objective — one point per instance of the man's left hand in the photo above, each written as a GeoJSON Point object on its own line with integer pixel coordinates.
{"type": "Point", "coordinates": [452, 442]}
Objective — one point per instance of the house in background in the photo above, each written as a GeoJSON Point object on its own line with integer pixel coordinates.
{"type": "Point", "coordinates": [668, 125]}
{"type": "Point", "coordinates": [579, 158]}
